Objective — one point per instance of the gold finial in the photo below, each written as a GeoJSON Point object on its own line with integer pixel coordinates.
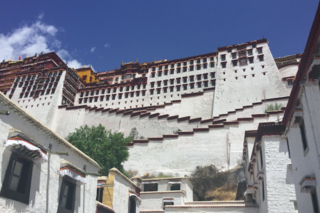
{"type": "Point", "coordinates": [10, 59]}
{"type": "Point", "coordinates": [84, 65]}
{"type": "Point", "coordinates": [27, 56]}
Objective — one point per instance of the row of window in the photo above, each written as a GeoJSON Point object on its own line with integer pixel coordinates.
{"type": "Point", "coordinates": [143, 93]}
{"type": "Point", "coordinates": [31, 94]}
{"type": "Point", "coordinates": [191, 62]}
{"type": "Point", "coordinates": [241, 53]}
{"type": "Point", "coordinates": [242, 61]}
{"type": "Point", "coordinates": [184, 80]}
{"type": "Point", "coordinates": [34, 77]}
{"type": "Point", "coordinates": [114, 90]}
{"type": "Point", "coordinates": [183, 69]}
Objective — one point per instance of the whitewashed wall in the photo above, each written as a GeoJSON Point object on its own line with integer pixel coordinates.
{"type": "Point", "coordinates": [44, 107]}
{"type": "Point", "coordinates": [179, 156]}
{"type": "Point", "coordinates": [306, 163]}
{"type": "Point", "coordinates": [121, 194]}
{"type": "Point", "coordinates": [232, 93]}
{"type": "Point", "coordinates": [45, 176]}
{"type": "Point", "coordinates": [278, 176]}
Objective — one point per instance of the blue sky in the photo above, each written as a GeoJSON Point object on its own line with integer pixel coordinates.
{"type": "Point", "coordinates": [105, 33]}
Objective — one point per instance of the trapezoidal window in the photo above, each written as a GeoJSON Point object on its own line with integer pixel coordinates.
{"type": "Point", "coordinates": [17, 180]}
{"type": "Point", "coordinates": [67, 195]}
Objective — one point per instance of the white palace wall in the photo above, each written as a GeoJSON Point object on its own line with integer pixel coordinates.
{"type": "Point", "coordinates": [43, 108]}
{"type": "Point", "coordinates": [237, 86]}
{"type": "Point", "coordinates": [218, 145]}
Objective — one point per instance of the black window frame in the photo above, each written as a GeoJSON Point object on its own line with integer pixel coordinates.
{"type": "Point", "coordinates": [150, 187]}
{"type": "Point", "coordinates": [24, 184]}
{"type": "Point", "coordinates": [70, 197]}
{"type": "Point", "coordinates": [303, 135]}
{"type": "Point", "coordinates": [175, 187]}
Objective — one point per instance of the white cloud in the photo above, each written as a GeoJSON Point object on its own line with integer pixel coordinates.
{"type": "Point", "coordinates": [106, 45]}
{"type": "Point", "coordinates": [35, 38]}
{"type": "Point", "coordinates": [92, 49]}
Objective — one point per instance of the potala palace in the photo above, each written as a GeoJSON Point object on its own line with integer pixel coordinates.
{"type": "Point", "coordinates": [209, 109]}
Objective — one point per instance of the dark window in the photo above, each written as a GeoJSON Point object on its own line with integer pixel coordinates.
{"type": "Point", "coordinates": [204, 60]}
{"type": "Point", "coordinates": [303, 135]}
{"type": "Point", "coordinates": [261, 157]}
{"type": "Point", "coordinates": [153, 69]}
{"type": "Point", "coordinates": [191, 68]}
{"type": "Point", "coordinates": [171, 89]}
{"type": "Point", "coordinates": [229, 50]}
{"type": "Point", "coordinates": [17, 181]}
{"type": "Point", "coordinates": [99, 194]}
{"type": "Point", "coordinates": [167, 204]}
{"type": "Point", "coordinates": [152, 75]}
{"type": "Point", "coordinates": [262, 184]}
{"type": "Point", "coordinates": [223, 57]}
{"type": "Point", "coordinates": [288, 148]}
{"type": "Point", "coordinates": [223, 65]}
{"type": "Point", "coordinates": [199, 84]}
{"type": "Point", "coordinates": [166, 72]}
{"type": "Point", "coordinates": [178, 70]}
{"type": "Point", "coordinates": [259, 50]}
{"type": "Point", "coordinates": [213, 75]}
{"type": "Point", "coordinates": [235, 63]}
{"type": "Point", "coordinates": [184, 69]}
{"type": "Point", "coordinates": [132, 205]}
{"type": "Point", "coordinates": [249, 52]}
{"type": "Point", "coordinates": [314, 199]}
{"type": "Point", "coordinates": [172, 71]}
{"type": "Point", "coordinates": [159, 74]}
{"type": "Point", "coordinates": [172, 65]}
{"type": "Point", "coordinates": [250, 60]}
{"type": "Point", "coordinates": [191, 62]}
{"type": "Point", "coordinates": [205, 66]}
{"type": "Point", "coordinates": [158, 91]}
{"type": "Point", "coordinates": [261, 58]}
{"type": "Point", "coordinates": [151, 92]}
{"type": "Point", "coordinates": [254, 45]}
{"type": "Point", "coordinates": [185, 87]}
{"type": "Point", "coordinates": [67, 195]}
{"type": "Point", "coordinates": [150, 187]}
{"type": "Point", "coordinates": [160, 67]}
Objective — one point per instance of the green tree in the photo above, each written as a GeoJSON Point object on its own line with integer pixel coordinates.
{"type": "Point", "coordinates": [106, 148]}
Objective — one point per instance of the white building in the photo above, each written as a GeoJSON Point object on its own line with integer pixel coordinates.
{"type": "Point", "coordinates": [158, 193]}
{"type": "Point", "coordinates": [40, 171]}
{"type": "Point", "coordinates": [301, 119]}
{"type": "Point", "coordinates": [268, 169]}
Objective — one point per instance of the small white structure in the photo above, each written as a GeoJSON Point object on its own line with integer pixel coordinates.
{"type": "Point", "coordinates": [40, 171]}
{"type": "Point", "coordinates": [157, 193]}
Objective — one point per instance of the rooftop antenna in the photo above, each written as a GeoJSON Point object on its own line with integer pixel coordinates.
{"type": "Point", "coordinates": [136, 60]}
